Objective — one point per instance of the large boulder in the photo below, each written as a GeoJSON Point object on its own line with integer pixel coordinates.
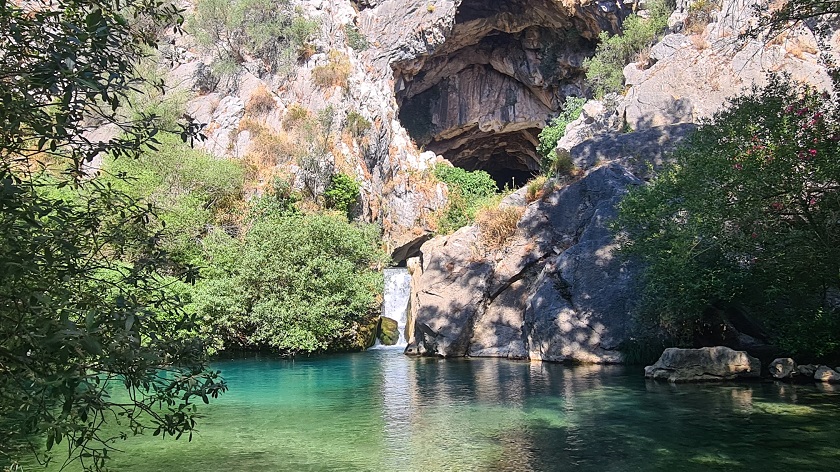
{"type": "Point", "coordinates": [827, 374]}
{"type": "Point", "coordinates": [555, 292]}
{"type": "Point", "coordinates": [704, 364]}
{"type": "Point", "coordinates": [782, 368]}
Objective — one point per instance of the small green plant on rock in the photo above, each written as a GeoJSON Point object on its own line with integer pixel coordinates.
{"type": "Point", "coordinates": [551, 134]}
{"type": "Point", "coordinates": [342, 193]}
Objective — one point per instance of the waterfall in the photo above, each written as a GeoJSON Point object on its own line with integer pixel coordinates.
{"type": "Point", "coordinates": [396, 299]}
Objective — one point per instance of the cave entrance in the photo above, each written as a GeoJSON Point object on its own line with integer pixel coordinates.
{"type": "Point", "coordinates": [482, 97]}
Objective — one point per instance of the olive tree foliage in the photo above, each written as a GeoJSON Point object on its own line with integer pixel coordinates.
{"type": "Point", "coordinates": [272, 31]}
{"type": "Point", "coordinates": [89, 332]}
{"type": "Point", "coordinates": [749, 214]}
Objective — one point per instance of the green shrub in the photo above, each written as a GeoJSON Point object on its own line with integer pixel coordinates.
{"type": "Point", "coordinates": [342, 193]}
{"type": "Point", "coordinates": [357, 124]}
{"type": "Point", "coordinates": [747, 216]}
{"type": "Point", "coordinates": [189, 188]}
{"type": "Point", "coordinates": [551, 134]}
{"type": "Point", "coordinates": [605, 69]}
{"type": "Point", "coordinates": [355, 39]}
{"type": "Point", "coordinates": [271, 31]}
{"type": "Point", "coordinates": [468, 192]}
{"type": "Point", "coordinates": [295, 283]}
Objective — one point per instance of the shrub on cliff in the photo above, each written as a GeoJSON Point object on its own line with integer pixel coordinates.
{"type": "Point", "coordinates": [605, 70]}
{"type": "Point", "coordinates": [552, 133]}
{"type": "Point", "coordinates": [274, 32]}
{"type": "Point", "coordinates": [748, 214]}
{"type": "Point", "coordinates": [468, 192]}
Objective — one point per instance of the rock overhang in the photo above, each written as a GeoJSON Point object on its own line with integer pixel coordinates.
{"type": "Point", "coordinates": [482, 96]}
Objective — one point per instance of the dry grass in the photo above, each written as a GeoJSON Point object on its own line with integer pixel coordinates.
{"type": "Point", "coordinates": [295, 114]}
{"type": "Point", "coordinates": [335, 73]}
{"type": "Point", "coordinates": [700, 14]}
{"type": "Point", "coordinates": [498, 224]}
{"type": "Point", "coordinates": [261, 102]}
{"type": "Point", "coordinates": [536, 188]}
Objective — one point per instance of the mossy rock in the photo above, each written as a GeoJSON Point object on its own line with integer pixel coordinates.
{"type": "Point", "coordinates": [389, 331]}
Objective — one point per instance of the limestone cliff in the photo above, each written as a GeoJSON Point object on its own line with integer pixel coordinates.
{"type": "Point", "coordinates": [471, 80]}
{"type": "Point", "coordinates": [556, 291]}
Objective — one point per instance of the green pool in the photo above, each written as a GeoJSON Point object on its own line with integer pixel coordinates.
{"type": "Point", "coordinates": [382, 411]}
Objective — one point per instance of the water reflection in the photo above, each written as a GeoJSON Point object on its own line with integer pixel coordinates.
{"type": "Point", "coordinates": [486, 414]}
{"type": "Point", "coordinates": [382, 411]}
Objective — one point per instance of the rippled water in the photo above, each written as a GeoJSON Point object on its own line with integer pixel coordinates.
{"type": "Point", "coordinates": [382, 411]}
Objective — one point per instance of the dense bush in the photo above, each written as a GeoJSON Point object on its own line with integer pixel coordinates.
{"type": "Point", "coordinates": [552, 133]}
{"type": "Point", "coordinates": [355, 39]}
{"type": "Point", "coordinates": [190, 190]}
{"type": "Point", "coordinates": [342, 193]}
{"type": "Point", "coordinates": [468, 191]}
{"type": "Point", "coordinates": [747, 216]}
{"type": "Point", "coordinates": [274, 32]}
{"type": "Point", "coordinates": [294, 283]}
{"type": "Point", "coordinates": [605, 70]}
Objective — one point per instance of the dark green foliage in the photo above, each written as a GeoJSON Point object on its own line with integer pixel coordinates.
{"type": "Point", "coordinates": [748, 215]}
{"type": "Point", "coordinates": [342, 193]}
{"type": "Point", "coordinates": [88, 329]}
{"type": "Point", "coordinates": [605, 70]}
{"type": "Point", "coordinates": [295, 283]}
{"type": "Point", "coordinates": [355, 39]}
{"type": "Point", "coordinates": [468, 191]}
{"type": "Point", "coordinates": [552, 133]}
{"type": "Point", "coordinates": [272, 31]}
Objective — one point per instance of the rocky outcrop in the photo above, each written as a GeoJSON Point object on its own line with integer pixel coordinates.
{"type": "Point", "coordinates": [705, 364]}
{"type": "Point", "coordinates": [825, 373]}
{"type": "Point", "coordinates": [556, 292]}
{"type": "Point", "coordinates": [782, 368]}
{"type": "Point", "coordinates": [480, 83]}
{"type": "Point", "coordinates": [689, 76]}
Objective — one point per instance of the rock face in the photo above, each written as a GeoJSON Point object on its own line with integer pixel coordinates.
{"type": "Point", "coordinates": [705, 364]}
{"type": "Point", "coordinates": [556, 292]}
{"type": "Point", "coordinates": [482, 84]}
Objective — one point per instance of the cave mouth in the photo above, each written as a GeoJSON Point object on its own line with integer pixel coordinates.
{"type": "Point", "coordinates": [481, 99]}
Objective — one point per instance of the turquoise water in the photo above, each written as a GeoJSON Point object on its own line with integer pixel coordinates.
{"type": "Point", "coordinates": [382, 411]}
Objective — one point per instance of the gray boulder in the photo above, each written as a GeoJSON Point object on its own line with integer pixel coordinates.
{"type": "Point", "coordinates": [555, 292]}
{"type": "Point", "coordinates": [782, 368]}
{"type": "Point", "coordinates": [807, 370]}
{"type": "Point", "coordinates": [704, 364]}
{"type": "Point", "coordinates": [825, 373]}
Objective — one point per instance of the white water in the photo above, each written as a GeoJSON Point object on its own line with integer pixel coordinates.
{"type": "Point", "coordinates": [395, 302]}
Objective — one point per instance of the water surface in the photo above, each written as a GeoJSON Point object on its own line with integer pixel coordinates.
{"type": "Point", "coordinates": [382, 411]}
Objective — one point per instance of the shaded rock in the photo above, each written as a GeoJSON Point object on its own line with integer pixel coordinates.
{"type": "Point", "coordinates": [807, 370]}
{"type": "Point", "coordinates": [389, 332]}
{"type": "Point", "coordinates": [825, 373]}
{"type": "Point", "coordinates": [704, 364]}
{"type": "Point", "coordinates": [449, 294]}
{"type": "Point", "coordinates": [636, 150]}
{"type": "Point", "coordinates": [555, 292]}
{"type": "Point", "coordinates": [782, 368]}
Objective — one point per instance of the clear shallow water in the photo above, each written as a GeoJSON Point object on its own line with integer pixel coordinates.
{"type": "Point", "coordinates": [382, 411]}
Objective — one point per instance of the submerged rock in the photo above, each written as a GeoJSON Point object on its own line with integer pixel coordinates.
{"type": "Point", "coordinates": [704, 364]}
